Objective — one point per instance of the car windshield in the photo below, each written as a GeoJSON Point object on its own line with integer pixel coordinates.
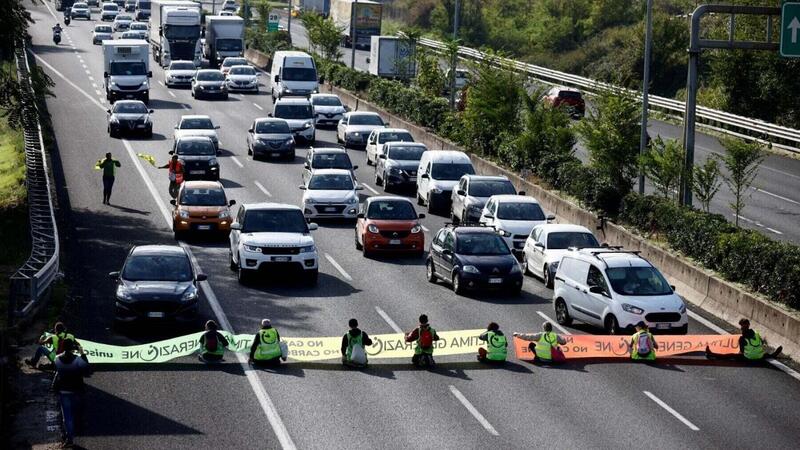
{"type": "Point", "coordinates": [274, 221]}
{"type": "Point", "coordinates": [181, 31]}
{"type": "Point", "coordinates": [391, 210]}
{"type": "Point", "coordinates": [293, 111]}
{"type": "Point", "coordinates": [331, 161]}
{"type": "Point", "coordinates": [562, 240]}
{"type": "Point", "coordinates": [570, 95]}
{"type": "Point", "coordinates": [229, 45]}
{"type": "Point", "coordinates": [273, 127]}
{"type": "Point", "coordinates": [405, 153]}
{"type": "Point", "coordinates": [139, 26]}
{"type": "Point", "coordinates": [366, 119]}
{"type": "Point", "coordinates": [80, 6]}
{"type": "Point", "coordinates": [488, 188]}
{"type": "Point", "coordinates": [394, 137]}
{"type": "Point", "coordinates": [637, 281]}
{"type": "Point", "coordinates": [102, 29]}
{"type": "Point", "coordinates": [299, 74]}
{"type": "Point", "coordinates": [123, 17]}
{"type": "Point", "coordinates": [131, 35]}
{"type": "Point", "coordinates": [243, 70]}
{"type": "Point", "coordinates": [127, 68]}
{"type": "Point", "coordinates": [331, 182]}
{"type": "Point", "coordinates": [196, 148]}
{"type": "Point", "coordinates": [129, 108]}
{"type": "Point", "coordinates": [481, 244]}
{"type": "Point", "coordinates": [181, 66]}
{"type": "Point", "coordinates": [451, 171]}
{"type": "Point", "coordinates": [230, 62]}
{"type": "Point", "coordinates": [143, 4]}
{"type": "Point", "coordinates": [110, 8]}
{"type": "Point", "coordinates": [326, 100]}
{"type": "Point", "coordinates": [196, 123]}
{"type": "Point", "coordinates": [210, 76]}
{"type": "Point", "coordinates": [203, 197]}
{"type": "Point", "coordinates": [520, 211]}
{"type": "Point", "coordinates": [157, 268]}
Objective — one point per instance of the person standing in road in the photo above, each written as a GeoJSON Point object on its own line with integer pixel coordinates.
{"type": "Point", "coordinates": [266, 348]}
{"type": "Point", "coordinates": [643, 345]}
{"type": "Point", "coordinates": [751, 346]}
{"type": "Point", "coordinates": [544, 345]}
{"type": "Point", "coordinates": [175, 172]}
{"type": "Point", "coordinates": [353, 343]}
{"type": "Point", "coordinates": [68, 383]}
{"type": "Point", "coordinates": [496, 349]}
{"type": "Point", "coordinates": [109, 167]}
{"type": "Point", "coordinates": [51, 344]}
{"type": "Point", "coordinates": [212, 343]}
{"type": "Point", "coordinates": [423, 336]}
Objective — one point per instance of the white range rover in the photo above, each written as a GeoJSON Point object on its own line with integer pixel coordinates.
{"type": "Point", "coordinates": [273, 237]}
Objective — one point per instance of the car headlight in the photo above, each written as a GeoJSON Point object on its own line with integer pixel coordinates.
{"type": "Point", "coordinates": [632, 309]}
{"type": "Point", "coordinates": [352, 200]}
{"type": "Point", "coordinates": [515, 268]}
{"type": "Point", "coordinates": [503, 232]}
{"type": "Point", "coordinates": [395, 171]}
{"type": "Point", "coordinates": [224, 214]}
{"type": "Point", "coordinates": [373, 229]}
{"type": "Point", "coordinates": [315, 91]}
{"type": "Point", "coordinates": [251, 248]}
{"type": "Point", "coordinates": [123, 293]}
{"type": "Point", "coordinates": [308, 125]}
{"type": "Point", "coordinates": [113, 83]}
{"type": "Point", "coordinates": [200, 86]}
{"type": "Point", "coordinates": [308, 249]}
{"type": "Point", "coordinates": [184, 214]}
{"type": "Point", "coordinates": [189, 295]}
{"type": "Point", "coordinates": [289, 141]}
{"type": "Point", "coordinates": [114, 119]}
{"type": "Point", "coordinates": [470, 269]}
{"type": "Point", "coordinates": [310, 201]}
{"type": "Point", "coordinates": [144, 84]}
{"type": "Point", "coordinates": [682, 309]}
{"type": "Point", "coordinates": [416, 229]}
{"type": "Point", "coordinates": [287, 90]}
{"type": "Point", "coordinates": [213, 162]}
{"type": "Point", "coordinates": [355, 134]}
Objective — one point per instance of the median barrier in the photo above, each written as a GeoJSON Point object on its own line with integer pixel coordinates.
{"type": "Point", "coordinates": [258, 59]}
{"type": "Point", "coordinates": [698, 286]}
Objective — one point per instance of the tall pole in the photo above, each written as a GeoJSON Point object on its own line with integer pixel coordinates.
{"type": "Point", "coordinates": [353, 34]}
{"type": "Point", "coordinates": [456, 15]}
{"type": "Point", "coordinates": [648, 45]}
{"type": "Point", "coordinates": [289, 22]}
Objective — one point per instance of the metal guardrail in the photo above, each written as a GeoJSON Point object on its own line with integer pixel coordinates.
{"type": "Point", "coordinates": [32, 281]}
{"type": "Point", "coordinates": [732, 124]}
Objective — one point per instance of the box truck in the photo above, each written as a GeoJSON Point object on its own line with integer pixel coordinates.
{"type": "Point", "coordinates": [364, 15]}
{"type": "Point", "coordinates": [175, 31]}
{"type": "Point", "coordinates": [126, 69]}
{"type": "Point", "coordinates": [224, 37]}
{"type": "Point", "coordinates": [392, 57]}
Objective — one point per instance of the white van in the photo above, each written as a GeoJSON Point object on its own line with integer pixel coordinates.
{"type": "Point", "coordinates": [293, 74]}
{"type": "Point", "coordinates": [438, 172]}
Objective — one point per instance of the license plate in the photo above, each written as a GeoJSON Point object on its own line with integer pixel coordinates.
{"type": "Point", "coordinates": [495, 280]}
{"type": "Point", "coordinates": [140, 126]}
{"type": "Point", "coordinates": [281, 259]}
{"type": "Point", "coordinates": [204, 227]}
{"type": "Point", "coordinates": [330, 209]}
{"type": "Point", "coordinates": [128, 95]}
{"type": "Point", "coordinates": [275, 155]}
{"type": "Point", "coordinates": [197, 172]}
{"type": "Point", "coordinates": [395, 242]}
{"type": "Point", "coordinates": [155, 315]}
{"type": "Point", "coordinates": [662, 326]}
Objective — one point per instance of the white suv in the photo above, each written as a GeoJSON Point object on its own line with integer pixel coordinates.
{"type": "Point", "coordinates": [616, 289]}
{"type": "Point", "coordinates": [548, 243]}
{"type": "Point", "coordinates": [272, 236]}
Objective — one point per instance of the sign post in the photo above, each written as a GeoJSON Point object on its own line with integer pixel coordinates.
{"type": "Point", "coordinates": [273, 21]}
{"type": "Point", "coordinates": [790, 24]}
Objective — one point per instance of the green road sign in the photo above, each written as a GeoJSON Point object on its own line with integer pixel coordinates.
{"type": "Point", "coordinates": [273, 21]}
{"type": "Point", "coordinates": [790, 30]}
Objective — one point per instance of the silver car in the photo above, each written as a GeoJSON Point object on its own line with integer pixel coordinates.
{"type": "Point", "coordinates": [80, 9]}
{"type": "Point", "coordinates": [102, 33]}
{"type": "Point", "coordinates": [179, 73]}
{"type": "Point", "coordinates": [242, 78]}
{"type": "Point", "coordinates": [209, 83]}
{"type": "Point", "coordinates": [270, 137]}
{"type": "Point", "coordinates": [328, 109]}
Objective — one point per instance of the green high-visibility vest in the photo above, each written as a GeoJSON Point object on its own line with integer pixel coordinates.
{"type": "Point", "coordinates": [754, 348]}
{"type": "Point", "coordinates": [635, 342]}
{"type": "Point", "coordinates": [220, 348]}
{"type": "Point", "coordinates": [545, 344]}
{"type": "Point", "coordinates": [55, 339]}
{"type": "Point", "coordinates": [496, 348]}
{"type": "Point", "coordinates": [353, 341]}
{"type": "Point", "coordinates": [268, 347]}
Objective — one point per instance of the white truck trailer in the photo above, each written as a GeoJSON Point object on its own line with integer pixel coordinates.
{"type": "Point", "coordinates": [175, 31]}
{"type": "Point", "coordinates": [224, 38]}
{"type": "Point", "coordinates": [392, 57]}
{"type": "Point", "coordinates": [126, 69]}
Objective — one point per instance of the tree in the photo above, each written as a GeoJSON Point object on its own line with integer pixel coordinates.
{"type": "Point", "coordinates": [323, 34]}
{"type": "Point", "coordinates": [663, 165]}
{"type": "Point", "coordinates": [741, 160]}
{"type": "Point", "coordinates": [706, 182]}
{"type": "Point", "coordinates": [430, 78]}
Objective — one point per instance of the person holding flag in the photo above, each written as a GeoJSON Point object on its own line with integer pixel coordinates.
{"type": "Point", "coordinates": [109, 167]}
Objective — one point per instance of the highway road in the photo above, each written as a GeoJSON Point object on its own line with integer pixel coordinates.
{"type": "Point", "coordinates": [686, 403]}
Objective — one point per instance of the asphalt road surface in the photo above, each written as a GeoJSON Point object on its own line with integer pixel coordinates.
{"type": "Point", "coordinates": [461, 404]}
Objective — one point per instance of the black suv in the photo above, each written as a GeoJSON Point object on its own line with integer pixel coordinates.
{"type": "Point", "coordinates": [199, 157]}
{"type": "Point", "coordinates": [473, 258]}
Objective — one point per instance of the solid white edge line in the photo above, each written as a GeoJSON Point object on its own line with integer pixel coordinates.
{"type": "Point", "coordinates": [370, 188]}
{"type": "Point", "coordinates": [278, 427]}
{"type": "Point", "coordinates": [780, 197]}
{"type": "Point", "coordinates": [774, 230]}
{"type": "Point", "coordinates": [669, 409]}
{"type": "Point", "coordinates": [475, 413]}
{"type": "Point", "coordinates": [236, 160]}
{"type": "Point", "coordinates": [707, 323]}
{"type": "Point", "coordinates": [388, 320]}
{"type": "Point", "coordinates": [338, 267]}
{"type": "Point", "coordinates": [555, 324]}
{"type": "Point", "coordinates": [263, 189]}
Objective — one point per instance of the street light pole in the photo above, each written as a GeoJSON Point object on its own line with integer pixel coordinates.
{"type": "Point", "coordinates": [648, 46]}
{"type": "Point", "coordinates": [456, 15]}
{"type": "Point", "coordinates": [353, 35]}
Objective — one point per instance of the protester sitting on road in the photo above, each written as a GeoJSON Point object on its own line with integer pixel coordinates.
{"type": "Point", "coordinates": [353, 343]}
{"type": "Point", "coordinates": [266, 348]}
{"type": "Point", "coordinates": [643, 345]}
{"type": "Point", "coordinates": [424, 336]}
{"type": "Point", "coordinates": [68, 383]}
{"type": "Point", "coordinates": [496, 349]}
{"type": "Point", "coordinates": [751, 346]}
{"type": "Point", "coordinates": [51, 344]}
{"type": "Point", "coordinates": [544, 345]}
{"type": "Point", "coordinates": [212, 343]}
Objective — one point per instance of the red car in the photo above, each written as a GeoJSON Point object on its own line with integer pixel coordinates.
{"type": "Point", "coordinates": [566, 97]}
{"type": "Point", "coordinates": [389, 224]}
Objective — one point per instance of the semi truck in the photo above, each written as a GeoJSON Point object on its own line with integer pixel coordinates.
{"type": "Point", "coordinates": [224, 38]}
{"type": "Point", "coordinates": [392, 57]}
{"type": "Point", "coordinates": [321, 7]}
{"type": "Point", "coordinates": [364, 15]}
{"type": "Point", "coordinates": [175, 31]}
{"type": "Point", "coordinates": [126, 69]}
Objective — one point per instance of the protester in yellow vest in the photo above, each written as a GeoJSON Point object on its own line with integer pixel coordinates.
{"type": "Point", "coordinates": [50, 344]}
{"type": "Point", "coordinates": [643, 345]}
{"type": "Point", "coordinates": [353, 345]}
{"type": "Point", "coordinates": [266, 348]}
{"type": "Point", "coordinates": [496, 349]}
{"type": "Point", "coordinates": [751, 346]}
{"type": "Point", "coordinates": [212, 343]}
{"type": "Point", "coordinates": [544, 345]}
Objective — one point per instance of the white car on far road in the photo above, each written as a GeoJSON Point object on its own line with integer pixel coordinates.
{"type": "Point", "coordinates": [379, 137]}
{"type": "Point", "coordinates": [108, 11]}
{"type": "Point", "coordinates": [102, 33]}
{"type": "Point", "coordinates": [140, 26]}
{"type": "Point", "coordinates": [179, 73]}
{"type": "Point", "coordinates": [242, 78]}
{"type": "Point", "coordinates": [331, 193]}
{"type": "Point", "coordinates": [328, 109]}
{"type": "Point", "coordinates": [513, 216]}
{"type": "Point", "coordinates": [548, 243]}
{"type": "Point", "coordinates": [122, 22]}
{"type": "Point", "coordinates": [355, 127]}
{"type": "Point", "coordinates": [197, 125]}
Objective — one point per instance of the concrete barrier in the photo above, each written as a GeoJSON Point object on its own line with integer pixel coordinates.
{"type": "Point", "coordinates": [258, 59]}
{"type": "Point", "coordinates": [698, 286]}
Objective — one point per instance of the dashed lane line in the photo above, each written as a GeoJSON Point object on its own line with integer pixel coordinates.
{"type": "Point", "coordinates": [258, 106]}
{"type": "Point", "coordinates": [669, 409]}
{"type": "Point", "coordinates": [236, 160]}
{"type": "Point", "coordinates": [171, 93]}
{"type": "Point", "coordinates": [338, 267]}
{"type": "Point", "coordinates": [388, 320]}
{"type": "Point", "coordinates": [553, 322]}
{"type": "Point", "coordinates": [263, 189]}
{"type": "Point", "coordinates": [474, 411]}
{"type": "Point", "coordinates": [370, 188]}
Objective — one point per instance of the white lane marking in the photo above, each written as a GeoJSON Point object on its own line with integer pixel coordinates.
{"type": "Point", "coordinates": [161, 82]}
{"type": "Point", "coordinates": [85, 66]}
{"type": "Point", "coordinates": [706, 323]}
{"type": "Point", "coordinates": [91, 78]}
{"type": "Point", "coordinates": [553, 322]}
{"type": "Point", "coordinates": [773, 230]}
{"type": "Point", "coordinates": [757, 223]}
{"type": "Point", "coordinates": [370, 188]}
{"type": "Point", "coordinates": [97, 91]}
{"type": "Point", "coordinates": [475, 413]}
{"type": "Point", "coordinates": [264, 400]}
{"type": "Point", "coordinates": [388, 320]}
{"type": "Point", "coordinates": [87, 72]}
{"type": "Point", "coordinates": [338, 267]}
{"type": "Point", "coordinates": [263, 189]}
{"type": "Point", "coordinates": [677, 415]}
{"type": "Point", "coordinates": [185, 106]}
{"type": "Point", "coordinates": [780, 197]}
{"type": "Point", "coordinates": [424, 228]}
{"type": "Point", "coordinates": [236, 160]}
{"type": "Point", "coordinates": [258, 106]}
{"type": "Point", "coordinates": [786, 369]}
{"type": "Point", "coordinates": [171, 93]}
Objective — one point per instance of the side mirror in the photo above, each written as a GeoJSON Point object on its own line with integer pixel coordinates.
{"type": "Point", "coordinates": [150, 111]}
{"type": "Point", "coordinates": [447, 252]}
{"type": "Point", "coordinates": [521, 193]}
{"type": "Point", "coordinates": [382, 156]}
{"type": "Point", "coordinates": [173, 202]}
{"type": "Point", "coordinates": [269, 114]}
{"type": "Point", "coordinates": [539, 245]}
{"type": "Point", "coordinates": [347, 108]}
{"type": "Point", "coordinates": [421, 216]}
{"type": "Point", "coordinates": [488, 216]}
{"type": "Point", "coordinates": [312, 226]}
{"type": "Point", "coordinates": [201, 277]}
{"type": "Point", "coordinates": [105, 74]}
{"type": "Point", "coordinates": [551, 217]}
{"type": "Point", "coordinates": [461, 192]}
{"type": "Point", "coordinates": [306, 166]}
{"type": "Point", "coordinates": [359, 188]}
{"type": "Point", "coordinates": [425, 176]}
{"type": "Point", "coordinates": [360, 216]}
{"type": "Point", "coordinates": [277, 78]}
{"type": "Point", "coordinates": [113, 275]}
{"type": "Point", "coordinates": [596, 290]}
{"type": "Point", "coordinates": [249, 130]}
{"type": "Point", "coordinates": [108, 111]}
{"type": "Point", "coordinates": [216, 127]}
{"type": "Point", "coordinates": [232, 202]}
{"type": "Point", "coordinates": [386, 123]}
{"type": "Point", "coordinates": [673, 287]}
{"type": "Point", "coordinates": [149, 74]}
{"type": "Point", "coordinates": [176, 127]}
{"type": "Point", "coordinates": [236, 226]}
{"type": "Point", "coordinates": [355, 167]}
{"type": "Point", "coordinates": [301, 187]}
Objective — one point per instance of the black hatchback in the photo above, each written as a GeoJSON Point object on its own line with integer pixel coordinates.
{"type": "Point", "coordinates": [198, 154]}
{"type": "Point", "coordinates": [473, 258]}
{"type": "Point", "coordinates": [156, 282]}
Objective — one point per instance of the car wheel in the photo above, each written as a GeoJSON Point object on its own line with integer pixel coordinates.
{"type": "Point", "coordinates": [378, 180]}
{"type": "Point", "coordinates": [369, 162]}
{"type": "Point", "coordinates": [562, 313]}
{"type": "Point", "coordinates": [431, 208]}
{"type": "Point", "coordinates": [548, 281]}
{"type": "Point", "coordinates": [242, 275]}
{"type": "Point", "coordinates": [525, 270]}
{"type": "Point", "coordinates": [453, 218]}
{"type": "Point", "coordinates": [358, 244]}
{"type": "Point", "coordinates": [231, 262]}
{"type": "Point", "coordinates": [179, 235]}
{"type": "Point", "coordinates": [250, 151]}
{"type": "Point", "coordinates": [312, 276]}
{"type": "Point", "coordinates": [419, 200]}
{"type": "Point", "coordinates": [611, 325]}
{"type": "Point", "coordinates": [458, 289]}
{"type": "Point", "coordinates": [429, 273]}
